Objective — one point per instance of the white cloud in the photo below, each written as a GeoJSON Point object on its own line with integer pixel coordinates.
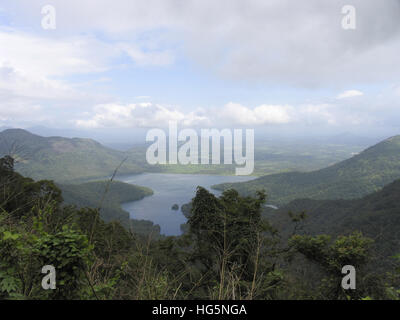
{"type": "Point", "coordinates": [14, 110]}
{"type": "Point", "coordinates": [156, 115]}
{"type": "Point", "coordinates": [280, 42]}
{"type": "Point", "coordinates": [39, 56]}
{"type": "Point", "coordinates": [397, 90]}
{"type": "Point", "coordinates": [317, 114]}
{"type": "Point", "coordinates": [148, 58]}
{"type": "Point", "coordinates": [140, 115]}
{"type": "Point", "coordinates": [33, 69]}
{"type": "Point", "coordinates": [350, 94]}
{"type": "Point", "coordinates": [336, 114]}
{"type": "Point", "coordinates": [36, 70]}
{"type": "Point", "coordinates": [299, 43]}
{"type": "Point", "coordinates": [59, 57]}
{"type": "Point", "coordinates": [235, 113]}
{"type": "Point", "coordinates": [143, 97]}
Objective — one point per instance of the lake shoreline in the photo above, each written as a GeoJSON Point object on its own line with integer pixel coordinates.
{"type": "Point", "coordinates": [170, 189]}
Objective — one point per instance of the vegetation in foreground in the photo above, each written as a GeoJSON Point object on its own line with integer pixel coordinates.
{"type": "Point", "coordinates": [376, 215]}
{"type": "Point", "coordinates": [228, 252]}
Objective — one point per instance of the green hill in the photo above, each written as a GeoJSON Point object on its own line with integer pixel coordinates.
{"type": "Point", "coordinates": [376, 215]}
{"type": "Point", "coordinates": [355, 177]}
{"type": "Point", "coordinates": [63, 159]}
{"type": "Point", "coordinates": [94, 195]}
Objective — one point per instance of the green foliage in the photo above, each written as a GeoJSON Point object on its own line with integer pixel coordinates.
{"type": "Point", "coordinates": [332, 256]}
{"type": "Point", "coordinates": [228, 252]}
{"type": "Point", "coordinates": [230, 237]}
{"type": "Point", "coordinates": [228, 223]}
{"type": "Point", "coordinates": [68, 251]}
{"type": "Point", "coordinates": [393, 290]}
{"type": "Point", "coordinates": [10, 246]}
{"type": "Point", "coordinates": [375, 215]}
{"type": "Point", "coordinates": [345, 250]}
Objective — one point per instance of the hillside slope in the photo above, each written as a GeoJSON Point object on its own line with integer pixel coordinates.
{"type": "Point", "coordinates": [376, 215]}
{"type": "Point", "coordinates": [355, 177]}
{"type": "Point", "coordinates": [63, 159]}
{"type": "Point", "coordinates": [94, 195]}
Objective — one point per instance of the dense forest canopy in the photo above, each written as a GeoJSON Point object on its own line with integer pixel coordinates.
{"type": "Point", "coordinates": [230, 251]}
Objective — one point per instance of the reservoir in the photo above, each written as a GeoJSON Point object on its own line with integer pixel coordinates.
{"type": "Point", "coordinates": [170, 189]}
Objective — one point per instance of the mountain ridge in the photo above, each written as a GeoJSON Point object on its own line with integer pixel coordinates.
{"type": "Point", "coordinates": [62, 159]}
{"type": "Point", "coordinates": [359, 175]}
{"type": "Point", "coordinates": [77, 160]}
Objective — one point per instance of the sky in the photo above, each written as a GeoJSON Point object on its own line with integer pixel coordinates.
{"type": "Point", "coordinates": [275, 66]}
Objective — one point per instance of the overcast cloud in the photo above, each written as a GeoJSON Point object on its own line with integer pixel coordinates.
{"type": "Point", "coordinates": [296, 46]}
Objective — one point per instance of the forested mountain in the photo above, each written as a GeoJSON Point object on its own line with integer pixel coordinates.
{"type": "Point", "coordinates": [62, 159]}
{"type": "Point", "coordinates": [355, 177]}
{"type": "Point", "coordinates": [376, 215]}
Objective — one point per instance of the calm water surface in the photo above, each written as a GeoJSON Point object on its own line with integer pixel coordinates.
{"type": "Point", "coordinates": [168, 190]}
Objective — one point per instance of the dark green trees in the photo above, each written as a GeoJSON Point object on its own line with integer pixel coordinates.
{"type": "Point", "coordinates": [35, 230]}
{"type": "Point", "coordinates": [228, 252]}
{"type": "Point", "coordinates": [230, 240]}
{"type": "Point", "coordinates": [332, 256]}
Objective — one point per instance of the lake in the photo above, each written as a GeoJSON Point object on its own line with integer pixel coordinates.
{"type": "Point", "coordinates": [170, 189]}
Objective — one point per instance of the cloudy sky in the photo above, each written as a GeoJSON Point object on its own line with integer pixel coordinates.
{"type": "Point", "coordinates": [261, 64]}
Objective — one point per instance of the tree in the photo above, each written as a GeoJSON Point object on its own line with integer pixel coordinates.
{"type": "Point", "coordinates": [230, 237]}
{"type": "Point", "coordinates": [332, 256]}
